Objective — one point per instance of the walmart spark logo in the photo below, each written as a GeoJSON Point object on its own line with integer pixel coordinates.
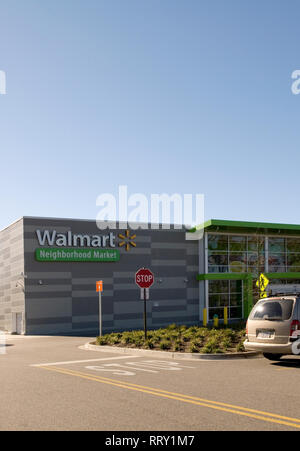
{"type": "Point", "coordinates": [127, 240]}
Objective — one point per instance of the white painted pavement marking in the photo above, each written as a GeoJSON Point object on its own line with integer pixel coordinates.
{"type": "Point", "coordinates": [108, 366]}
{"type": "Point", "coordinates": [127, 369]}
{"type": "Point", "coordinates": [156, 365]}
{"type": "Point", "coordinates": [163, 364]}
{"type": "Point", "coordinates": [70, 362]}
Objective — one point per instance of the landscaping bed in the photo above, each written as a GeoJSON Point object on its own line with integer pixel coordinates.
{"type": "Point", "coordinates": [183, 339]}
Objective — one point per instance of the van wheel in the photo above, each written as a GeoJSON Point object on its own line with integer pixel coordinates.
{"type": "Point", "coordinates": [274, 357]}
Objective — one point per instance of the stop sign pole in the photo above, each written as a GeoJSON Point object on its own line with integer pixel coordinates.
{"type": "Point", "coordinates": [144, 278]}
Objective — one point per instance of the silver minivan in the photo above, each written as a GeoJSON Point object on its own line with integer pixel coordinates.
{"type": "Point", "coordinates": [273, 327]}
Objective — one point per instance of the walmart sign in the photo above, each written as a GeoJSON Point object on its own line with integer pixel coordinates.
{"type": "Point", "coordinates": [89, 248]}
{"type": "Point", "coordinates": [68, 239]}
{"type": "Point", "coordinates": [74, 255]}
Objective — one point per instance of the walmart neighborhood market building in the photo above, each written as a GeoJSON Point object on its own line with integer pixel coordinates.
{"type": "Point", "coordinates": [49, 268]}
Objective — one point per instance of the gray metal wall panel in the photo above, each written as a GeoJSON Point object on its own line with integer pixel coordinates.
{"type": "Point", "coordinates": [12, 299]}
{"type": "Point", "coordinates": [174, 296]}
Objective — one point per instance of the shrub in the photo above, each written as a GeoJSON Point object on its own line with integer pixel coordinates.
{"type": "Point", "coordinates": [194, 347]}
{"type": "Point", "coordinates": [138, 341]}
{"type": "Point", "coordinates": [149, 344]}
{"type": "Point", "coordinates": [193, 329]}
{"type": "Point", "coordinates": [115, 339]}
{"type": "Point", "coordinates": [126, 338]}
{"type": "Point", "coordinates": [208, 349]}
{"type": "Point", "coordinates": [188, 335]}
{"type": "Point", "coordinates": [240, 347]}
{"type": "Point", "coordinates": [156, 339]}
{"type": "Point", "coordinates": [102, 341]}
{"type": "Point", "coordinates": [165, 345]}
{"type": "Point", "coordinates": [177, 346]}
{"type": "Point", "coordinates": [226, 343]}
{"type": "Point", "coordinates": [211, 346]}
{"type": "Point", "coordinates": [229, 333]}
{"type": "Point", "coordinates": [202, 332]}
{"type": "Point", "coordinates": [181, 338]}
{"type": "Point", "coordinates": [172, 327]}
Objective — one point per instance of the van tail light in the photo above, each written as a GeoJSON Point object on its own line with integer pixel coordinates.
{"type": "Point", "coordinates": [294, 327]}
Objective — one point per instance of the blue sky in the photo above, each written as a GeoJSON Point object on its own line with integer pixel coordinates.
{"type": "Point", "coordinates": [161, 95]}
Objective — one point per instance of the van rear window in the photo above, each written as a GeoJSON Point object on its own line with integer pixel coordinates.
{"type": "Point", "coordinates": [279, 310]}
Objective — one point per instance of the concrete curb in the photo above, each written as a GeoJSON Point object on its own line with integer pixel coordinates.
{"type": "Point", "coordinates": [171, 355]}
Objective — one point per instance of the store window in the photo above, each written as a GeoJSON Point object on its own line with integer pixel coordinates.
{"type": "Point", "coordinates": [284, 254]}
{"type": "Point", "coordinates": [293, 254]}
{"type": "Point", "coordinates": [236, 253]}
{"type": "Point", "coordinates": [218, 243]}
{"type": "Point", "coordinates": [241, 254]}
{"type": "Point", "coordinates": [277, 255]}
{"type": "Point", "coordinates": [225, 293]}
{"type": "Point", "coordinates": [293, 262]}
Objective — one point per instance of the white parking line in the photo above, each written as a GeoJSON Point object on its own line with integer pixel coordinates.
{"type": "Point", "coordinates": [70, 362]}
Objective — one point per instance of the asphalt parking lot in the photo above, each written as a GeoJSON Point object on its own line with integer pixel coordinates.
{"type": "Point", "coordinates": [49, 383]}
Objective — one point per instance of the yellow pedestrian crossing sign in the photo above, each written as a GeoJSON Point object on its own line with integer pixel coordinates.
{"type": "Point", "coordinates": [262, 284]}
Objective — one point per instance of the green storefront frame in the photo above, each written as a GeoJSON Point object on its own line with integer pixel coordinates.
{"type": "Point", "coordinates": [247, 278]}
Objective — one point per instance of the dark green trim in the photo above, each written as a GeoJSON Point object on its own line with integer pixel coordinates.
{"type": "Point", "coordinates": [248, 295]}
{"type": "Point", "coordinates": [283, 275]}
{"type": "Point", "coordinates": [242, 276]}
{"type": "Point", "coordinates": [223, 276]}
{"type": "Point", "coordinates": [248, 227]}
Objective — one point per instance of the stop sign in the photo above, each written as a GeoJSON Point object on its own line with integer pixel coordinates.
{"type": "Point", "coordinates": [144, 278]}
